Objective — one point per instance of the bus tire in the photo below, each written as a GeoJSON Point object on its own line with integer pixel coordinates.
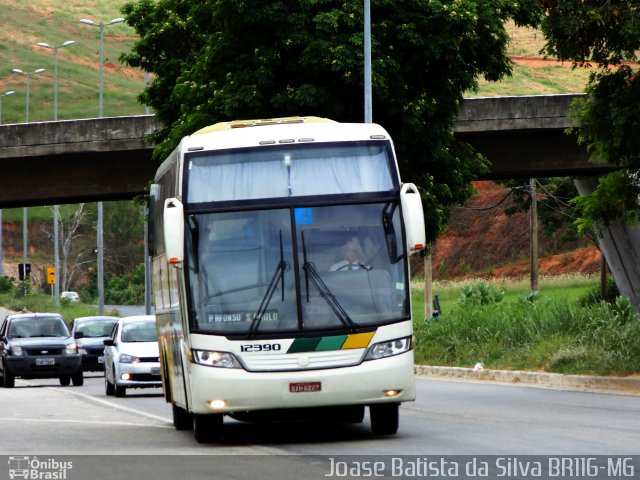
{"type": "Point", "coordinates": [181, 418]}
{"type": "Point", "coordinates": [384, 418]}
{"type": "Point", "coordinates": [206, 428]}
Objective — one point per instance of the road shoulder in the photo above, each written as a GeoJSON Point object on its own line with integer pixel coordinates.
{"type": "Point", "coordinates": [620, 385]}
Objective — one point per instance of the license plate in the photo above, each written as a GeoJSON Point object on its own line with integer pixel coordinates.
{"type": "Point", "coordinates": [305, 387]}
{"type": "Point", "coordinates": [155, 371]}
{"type": "Point", "coordinates": [45, 361]}
{"type": "Point", "coordinates": [100, 359]}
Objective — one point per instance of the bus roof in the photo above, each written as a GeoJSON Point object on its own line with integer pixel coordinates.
{"type": "Point", "coordinates": [279, 131]}
{"type": "Point", "coordinates": [216, 127]}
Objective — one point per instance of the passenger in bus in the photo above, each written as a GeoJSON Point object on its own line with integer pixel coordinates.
{"type": "Point", "coordinates": [352, 253]}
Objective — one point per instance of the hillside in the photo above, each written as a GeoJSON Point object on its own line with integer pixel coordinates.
{"type": "Point", "coordinates": [488, 243]}
{"type": "Point", "coordinates": [24, 24]}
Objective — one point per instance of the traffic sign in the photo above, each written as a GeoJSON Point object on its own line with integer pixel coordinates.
{"type": "Point", "coordinates": [51, 275]}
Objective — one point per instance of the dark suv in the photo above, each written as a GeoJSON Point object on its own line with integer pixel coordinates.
{"type": "Point", "coordinates": [38, 345]}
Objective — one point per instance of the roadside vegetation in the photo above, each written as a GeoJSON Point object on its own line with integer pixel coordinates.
{"type": "Point", "coordinates": [19, 297]}
{"type": "Point", "coordinates": [563, 328]}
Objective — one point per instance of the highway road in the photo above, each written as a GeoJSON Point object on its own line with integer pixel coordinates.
{"type": "Point", "coordinates": [40, 418]}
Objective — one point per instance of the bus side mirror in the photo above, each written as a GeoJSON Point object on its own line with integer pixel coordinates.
{"type": "Point", "coordinates": [174, 230]}
{"type": "Point", "coordinates": [413, 217]}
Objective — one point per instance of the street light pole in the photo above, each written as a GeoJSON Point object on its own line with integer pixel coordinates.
{"type": "Point", "coordinates": [101, 26]}
{"type": "Point", "coordinates": [1, 253]}
{"type": "Point", "coordinates": [100, 272]}
{"type": "Point", "coordinates": [55, 71]}
{"type": "Point", "coordinates": [24, 242]}
{"type": "Point", "coordinates": [28, 75]}
{"type": "Point", "coordinates": [56, 254]}
{"type": "Point", "coordinates": [368, 109]}
{"type": "Point", "coordinates": [56, 216]}
{"type": "Point", "coordinates": [6, 94]}
{"type": "Point", "coordinates": [10, 92]}
{"type": "Point", "coordinates": [24, 209]}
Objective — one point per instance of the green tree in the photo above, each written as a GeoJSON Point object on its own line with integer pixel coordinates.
{"type": "Point", "coordinates": [605, 34]}
{"type": "Point", "coordinates": [123, 237]}
{"type": "Point", "coordinates": [219, 60]}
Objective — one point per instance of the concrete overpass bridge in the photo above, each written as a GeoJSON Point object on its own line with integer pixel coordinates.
{"type": "Point", "coordinates": [107, 159]}
{"type": "Point", "coordinates": [88, 160]}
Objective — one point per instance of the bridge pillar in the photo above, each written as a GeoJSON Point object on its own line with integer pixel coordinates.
{"type": "Point", "coordinates": [620, 244]}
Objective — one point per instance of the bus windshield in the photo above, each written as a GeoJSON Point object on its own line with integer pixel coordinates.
{"type": "Point", "coordinates": [296, 269]}
{"type": "Point", "coordinates": [288, 171]}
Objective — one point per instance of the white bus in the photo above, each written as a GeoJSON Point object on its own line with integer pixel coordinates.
{"type": "Point", "coordinates": [280, 274]}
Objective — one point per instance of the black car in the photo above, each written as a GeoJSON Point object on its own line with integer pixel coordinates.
{"type": "Point", "coordinates": [38, 345]}
{"type": "Point", "coordinates": [90, 334]}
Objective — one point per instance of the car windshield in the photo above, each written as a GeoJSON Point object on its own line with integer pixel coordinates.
{"type": "Point", "coordinates": [95, 328]}
{"type": "Point", "coordinates": [139, 331]}
{"type": "Point", "coordinates": [38, 327]}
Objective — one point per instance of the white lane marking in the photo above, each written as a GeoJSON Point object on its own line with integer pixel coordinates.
{"type": "Point", "coordinates": [115, 405]}
{"type": "Point", "coordinates": [93, 422]}
{"type": "Point", "coordinates": [109, 404]}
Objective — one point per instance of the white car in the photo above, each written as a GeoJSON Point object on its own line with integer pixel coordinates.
{"type": "Point", "coordinates": [131, 356]}
{"type": "Point", "coordinates": [73, 296]}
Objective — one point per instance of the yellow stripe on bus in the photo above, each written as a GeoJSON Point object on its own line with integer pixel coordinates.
{"type": "Point", "coordinates": [358, 340]}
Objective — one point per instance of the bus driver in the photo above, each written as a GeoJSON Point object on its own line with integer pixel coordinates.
{"type": "Point", "coordinates": [352, 253]}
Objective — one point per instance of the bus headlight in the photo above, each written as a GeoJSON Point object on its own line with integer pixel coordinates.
{"type": "Point", "coordinates": [215, 359]}
{"type": "Point", "coordinates": [389, 348]}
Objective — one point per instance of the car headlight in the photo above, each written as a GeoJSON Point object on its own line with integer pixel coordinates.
{"type": "Point", "coordinates": [16, 350]}
{"type": "Point", "coordinates": [83, 351]}
{"type": "Point", "coordinates": [215, 359]}
{"type": "Point", "coordinates": [71, 348]}
{"type": "Point", "coordinates": [389, 348]}
{"type": "Point", "coordinates": [124, 358]}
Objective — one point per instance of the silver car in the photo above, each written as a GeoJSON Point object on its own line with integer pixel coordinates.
{"type": "Point", "coordinates": [131, 356]}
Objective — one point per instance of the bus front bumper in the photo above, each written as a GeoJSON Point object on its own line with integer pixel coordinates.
{"type": "Point", "coordinates": [218, 390]}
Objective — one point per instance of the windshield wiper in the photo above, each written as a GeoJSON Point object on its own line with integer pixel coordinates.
{"type": "Point", "coordinates": [389, 232]}
{"type": "Point", "coordinates": [326, 294]}
{"type": "Point", "coordinates": [278, 276]}
{"type": "Point", "coordinates": [194, 229]}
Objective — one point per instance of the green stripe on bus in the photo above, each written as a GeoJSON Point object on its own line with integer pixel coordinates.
{"type": "Point", "coordinates": [331, 343]}
{"type": "Point", "coordinates": [300, 345]}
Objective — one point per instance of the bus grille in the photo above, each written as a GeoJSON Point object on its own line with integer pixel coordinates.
{"type": "Point", "coordinates": [302, 361]}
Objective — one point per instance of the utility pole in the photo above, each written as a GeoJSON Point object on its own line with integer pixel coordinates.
{"type": "Point", "coordinates": [428, 287]}
{"type": "Point", "coordinates": [533, 234]}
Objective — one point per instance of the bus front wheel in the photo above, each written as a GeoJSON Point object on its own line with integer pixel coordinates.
{"type": "Point", "coordinates": [206, 427]}
{"type": "Point", "coordinates": [181, 418]}
{"type": "Point", "coordinates": [384, 418]}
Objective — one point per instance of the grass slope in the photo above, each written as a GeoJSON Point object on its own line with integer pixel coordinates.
{"type": "Point", "coordinates": [24, 23]}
